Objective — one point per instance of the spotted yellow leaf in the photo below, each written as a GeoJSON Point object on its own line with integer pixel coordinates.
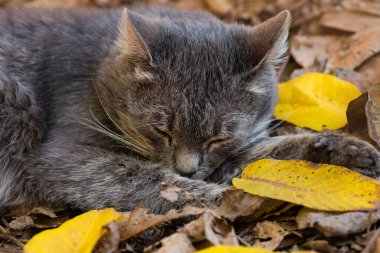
{"type": "Point", "coordinates": [239, 249]}
{"type": "Point", "coordinates": [78, 235]}
{"type": "Point", "coordinates": [315, 100]}
{"type": "Point", "coordinates": [318, 186]}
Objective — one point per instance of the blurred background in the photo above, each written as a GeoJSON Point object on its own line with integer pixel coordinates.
{"type": "Point", "coordinates": [340, 37]}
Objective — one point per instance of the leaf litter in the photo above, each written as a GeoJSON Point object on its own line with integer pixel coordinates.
{"type": "Point", "coordinates": [332, 37]}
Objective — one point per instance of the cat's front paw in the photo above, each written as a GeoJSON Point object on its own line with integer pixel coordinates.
{"type": "Point", "coordinates": [349, 152]}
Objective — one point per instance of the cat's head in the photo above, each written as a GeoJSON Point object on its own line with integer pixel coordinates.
{"type": "Point", "coordinates": [189, 91]}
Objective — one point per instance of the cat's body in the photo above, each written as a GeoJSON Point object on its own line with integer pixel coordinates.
{"type": "Point", "coordinates": [188, 97]}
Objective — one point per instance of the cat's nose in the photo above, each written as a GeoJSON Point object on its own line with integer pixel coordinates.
{"type": "Point", "coordinates": [187, 164]}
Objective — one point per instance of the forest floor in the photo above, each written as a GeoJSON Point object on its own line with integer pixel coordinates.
{"type": "Point", "coordinates": [336, 37]}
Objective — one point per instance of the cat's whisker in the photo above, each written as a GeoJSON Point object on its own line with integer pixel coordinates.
{"type": "Point", "coordinates": [126, 136]}
{"type": "Point", "coordinates": [119, 138]}
{"type": "Point", "coordinates": [127, 140]}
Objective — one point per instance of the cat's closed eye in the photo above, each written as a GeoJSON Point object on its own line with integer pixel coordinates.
{"type": "Point", "coordinates": [215, 143]}
{"type": "Point", "coordinates": [165, 134]}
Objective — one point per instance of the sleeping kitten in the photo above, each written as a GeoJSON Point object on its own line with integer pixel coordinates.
{"type": "Point", "coordinates": [97, 108]}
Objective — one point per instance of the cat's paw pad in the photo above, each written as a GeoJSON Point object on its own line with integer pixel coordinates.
{"type": "Point", "coordinates": [351, 153]}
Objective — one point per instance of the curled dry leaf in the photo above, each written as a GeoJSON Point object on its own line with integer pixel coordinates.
{"type": "Point", "coordinates": [269, 234]}
{"type": "Point", "coordinates": [109, 243]}
{"type": "Point", "coordinates": [177, 242]}
{"type": "Point", "coordinates": [356, 115]}
{"type": "Point", "coordinates": [336, 224]}
{"type": "Point", "coordinates": [316, 101]}
{"type": "Point", "coordinates": [318, 186]}
{"type": "Point", "coordinates": [140, 219]}
{"type": "Point", "coordinates": [218, 231]}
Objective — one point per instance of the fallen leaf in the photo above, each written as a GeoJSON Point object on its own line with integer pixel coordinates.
{"type": "Point", "coordinates": [370, 7]}
{"type": "Point", "coordinates": [220, 7]}
{"type": "Point", "coordinates": [373, 113]}
{"type": "Point", "coordinates": [317, 101]}
{"type": "Point", "coordinates": [109, 242]}
{"type": "Point", "coordinates": [173, 193]}
{"type": "Point", "coordinates": [218, 231]}
{"type": "Point", "coordinates": [237, 203]}
{"type": "Point", "coordinates": [177, 242]}
{"type": "Point", "coordinates": [270, 234]}
{"type": "Point", "coordinates": [140, 219]}
{"type": "Point", "coordinates": [336, 224]}
{"type": "Point", "coordinates": [357, 49]}
{"type": "Point", "coordinates": [314, 50]}
{"type": "Point", "coordinates": [356, 115]}
{"type": "Point", "coordinates": [239, 249]}
{"type": "Point", "coordinates": [369, 69]}
{"type": "Point", "coordinates": [349, 21]}
{"type": "Point", "coordinates": [320, 246]}
{"type": "Point", "coordinates": [21, 222]}
{"type": "Point", "coordinates": [318, 186]}
{"type": "Point", "coordinates": [79, 234]}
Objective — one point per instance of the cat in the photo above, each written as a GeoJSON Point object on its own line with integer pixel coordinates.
{"type": "Point", "coordinates": [99, 107]}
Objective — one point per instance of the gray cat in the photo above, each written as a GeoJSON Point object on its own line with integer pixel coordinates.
{"type": "Point", "coordinates": [97, 108]}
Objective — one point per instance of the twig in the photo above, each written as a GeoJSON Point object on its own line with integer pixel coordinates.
{"type": "Point", "coordinates": [371, 242]}
{"type": "Point", "coordinates": [9, 237]}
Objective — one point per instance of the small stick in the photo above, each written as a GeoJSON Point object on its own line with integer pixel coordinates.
{"type": "Point", "coordinates": [371, 242]}
{"type": "Point", "coordinates": [9, 237]}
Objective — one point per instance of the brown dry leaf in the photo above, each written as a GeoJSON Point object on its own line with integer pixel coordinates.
{"type": "Point", "coordinates": [370, 69]}
{"type": "Point", "coordinates": [189, 5]}
{"type": "Point", "coordinates": [109, 243]}
{"type": "Point", "coordinates": [140, 219]}
{"type": "Point", "coordinates": [336, 224]}
{"type": "Point", "coordinates": [349, 21]}
{"type": "Point", "coordinates": [21, 222]}
{"type": "Point", "coordinates": [220, 7]}
{"type": "Point", "coordinates": [352, 76]}
{"type": "Point", "coordinates": [237, 203]}
{"type": "Point", "coordinates": [218, 231]}
{"type": "Point", "coordinates": [177, 242]}
{"type": "Point", "coordinates": [373, 113]}
{"type": "Point", "coordinates": [173, 193]}
{"type": "Point", "coordinates": [209, 226]}
{"type": "Point", "coordinates": [370, 7]}
{"type": "Point", "coordinates": [195, 229]}
{"type": "Point", "coordinates": [314, 50]}
{"type": "Point", "coordinates": [57, 3]}
{"type": "Point", "coordinates": [320, 246]}
{"type": "Point", "coordinates": [356, 115]}
{"type": "Point", "coordinates": [360, 47]}
{"type": "Point", "coordinates": [271, 233]}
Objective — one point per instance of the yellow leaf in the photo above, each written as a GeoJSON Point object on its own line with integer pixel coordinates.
{"type": "Point", "coordinates": [318, 186]}
{"type": "Point", "coordinates": [317, 101]}
{"type": "Point", "coordinates": [78, 235]}
{"type": "Point", "coordinates": [239, 249]}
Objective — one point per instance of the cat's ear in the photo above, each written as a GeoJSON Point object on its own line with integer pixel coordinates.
{"type": "Point", "coordinates": [269, 38]}
{"type": "Point", "coordinates": [134, 36]}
